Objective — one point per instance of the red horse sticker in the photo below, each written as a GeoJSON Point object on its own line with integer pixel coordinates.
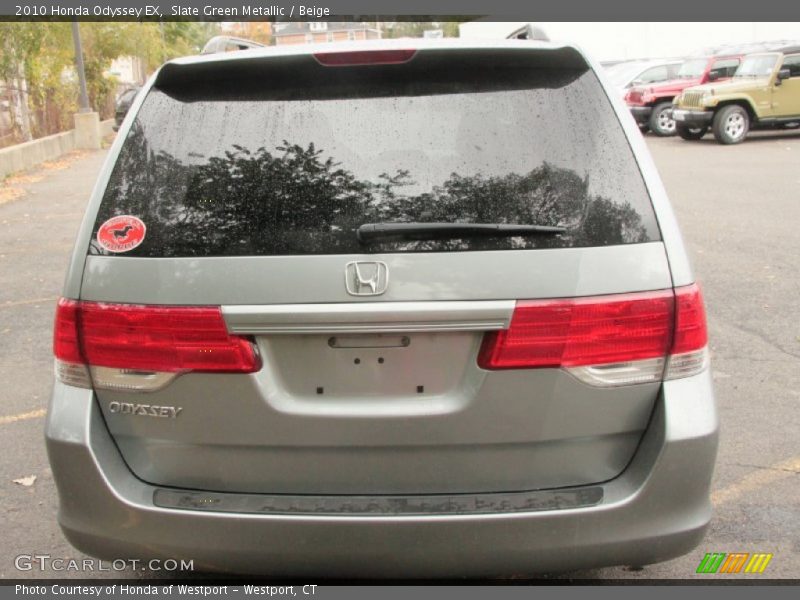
{"type": "Point", "coordinates": [121, 234]}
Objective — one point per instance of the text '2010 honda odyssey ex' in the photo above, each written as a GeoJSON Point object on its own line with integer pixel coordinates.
{"type": "Point", "coordinates": [382, 309]}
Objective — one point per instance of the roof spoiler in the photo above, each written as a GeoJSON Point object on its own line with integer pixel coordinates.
{"type": "Point", "coordinates": [217, 72]}
{"type": "Point", "coordinates": [226, 43]}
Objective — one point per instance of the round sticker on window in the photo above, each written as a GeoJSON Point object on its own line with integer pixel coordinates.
{"type": "Point", "coordinates": [121, 234]}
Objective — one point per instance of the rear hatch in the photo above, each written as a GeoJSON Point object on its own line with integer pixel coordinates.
{"type": "Point", "coordinates": [375, 365]}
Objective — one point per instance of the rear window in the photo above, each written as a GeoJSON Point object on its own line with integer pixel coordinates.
{"type": "Point", "coordinates": [292, 159]}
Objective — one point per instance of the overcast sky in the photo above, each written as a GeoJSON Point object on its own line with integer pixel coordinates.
{"type": "Point", "coordinates": [615, 41]}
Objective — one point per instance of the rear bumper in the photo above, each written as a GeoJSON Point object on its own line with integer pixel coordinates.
{"type": "Point", "coordinates": [692, 117]}
{"type": "Point", "coordinates": [641, 113]}
{"type": "Point", "coordinates": [657, 509]}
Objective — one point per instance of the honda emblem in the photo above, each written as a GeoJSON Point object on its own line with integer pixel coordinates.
{"type": "Point", "coordinates": [366, 278]}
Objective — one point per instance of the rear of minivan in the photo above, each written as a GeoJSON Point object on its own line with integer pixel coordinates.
{"type": "Point", "coordinates": [382, 309]}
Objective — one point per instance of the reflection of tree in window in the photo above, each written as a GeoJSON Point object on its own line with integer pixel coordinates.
{"type": "Point", "coordinates": [295, 200]}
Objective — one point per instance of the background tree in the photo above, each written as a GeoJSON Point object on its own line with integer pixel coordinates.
{"type": "Point", "coordinates": [32, 63]}
{"type": "Point", "coordinates": [258, 31]}
{"type": "Point", "coordinates": [297, 199]}
{"type": "Point", "coordinates": [37, 65]}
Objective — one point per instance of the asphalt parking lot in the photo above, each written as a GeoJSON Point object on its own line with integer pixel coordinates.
{"type": "Point", "coordinates": [739, 209]}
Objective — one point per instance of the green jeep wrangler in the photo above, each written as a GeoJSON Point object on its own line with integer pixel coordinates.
{"type": "Point", "coordinates": [764, 92]}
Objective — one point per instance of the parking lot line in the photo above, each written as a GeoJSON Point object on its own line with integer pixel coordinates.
{"type": "Point", "coordinates": [760, 478]}
{"type": "Point", "coordinates": [31, 301]}
{"type": "Point", "coordinates": [34, 414]}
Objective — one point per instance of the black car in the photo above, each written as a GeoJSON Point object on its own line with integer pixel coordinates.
{"type": "Point", "coordinates": [124, 101]}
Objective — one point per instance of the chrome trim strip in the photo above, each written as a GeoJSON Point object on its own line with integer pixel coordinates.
{"type": "Point", "coordinates": [431, 504]}
{"type": "Point", "coordinates": [362, 317]}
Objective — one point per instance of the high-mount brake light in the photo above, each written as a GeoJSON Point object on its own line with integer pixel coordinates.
{"type": "Point", "coordinates": [605, 340]}
{"type": "Point", "coordinates": [364, 57]}
{"type": "Point", "coordinates": [142, 348]}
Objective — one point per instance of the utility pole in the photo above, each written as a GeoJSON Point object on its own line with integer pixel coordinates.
{"type": "Point", "coordinates": [87, 122]}
{"type": "Point", "coordinates": [163, 43]}
{"type": "Point", "coordinates": [76, 40]}
{"type": "Point", "coordinates": [19, 104]}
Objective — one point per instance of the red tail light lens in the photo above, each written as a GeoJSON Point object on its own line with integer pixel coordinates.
{"type": "Point", "coordinates": [607, 340]}
{"type": "Point", "coordinates": [364, 57]}
{"type": "Point", "coordinates": [167, 339]}
{"type": "Point", "coordinates": [690, 320]}
{"type": "Point", "coordinates": [582, 331]}
{"type": "Point", "coordinates": [65, 332]}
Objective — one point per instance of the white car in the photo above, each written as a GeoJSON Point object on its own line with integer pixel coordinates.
{"type": "Point", "coordinates": [642, 72]}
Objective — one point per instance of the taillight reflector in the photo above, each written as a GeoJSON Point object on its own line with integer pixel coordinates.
{"type": "Point", "coordinates": [169, 339]}
{"type": "Point", "coordinates": [364, 57]}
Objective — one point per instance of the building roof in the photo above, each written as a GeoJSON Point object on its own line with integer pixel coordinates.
{"type": "Point", "coordinates": [299, 28]}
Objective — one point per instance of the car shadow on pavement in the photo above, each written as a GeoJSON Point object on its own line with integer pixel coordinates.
{"type": "Point", "coordinates": [757, 136]}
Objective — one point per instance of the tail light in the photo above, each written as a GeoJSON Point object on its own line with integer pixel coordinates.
{"type": "Point", "coordinates": [647, 96]}
{"type": "Point", "coordinates": [689, 353]}
{"type": "Point", "coordinates": [364, 57]}
{"type": "Point", "coordinates": [141, 348]}
{"type": "Point", "coordinates": [605, 340]}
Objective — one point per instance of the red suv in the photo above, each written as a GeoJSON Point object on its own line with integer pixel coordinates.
{"type": "Point", "coordinates": [652, 106]}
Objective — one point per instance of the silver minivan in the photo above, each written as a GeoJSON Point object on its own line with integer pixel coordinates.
{"type": "Point", "coordinates": [408, 308]}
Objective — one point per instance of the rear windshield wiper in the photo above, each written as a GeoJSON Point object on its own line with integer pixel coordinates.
{"type": "Point", "coordinates": [371, 232]}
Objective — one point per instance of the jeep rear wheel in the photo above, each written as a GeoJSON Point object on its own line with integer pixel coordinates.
{"type": "Point", "coordinates": [731, 124]}
{"type": "Point", "coordinates": [661, 121]}
{"type": "Point", "coordinates": [691, 133]}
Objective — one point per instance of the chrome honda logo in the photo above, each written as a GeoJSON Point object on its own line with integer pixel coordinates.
{"type": "Point", "coordinates": [364, 278]}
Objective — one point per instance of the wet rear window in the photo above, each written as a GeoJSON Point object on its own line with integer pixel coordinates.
{"type": "Point", "coordinates": [294, 163]}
